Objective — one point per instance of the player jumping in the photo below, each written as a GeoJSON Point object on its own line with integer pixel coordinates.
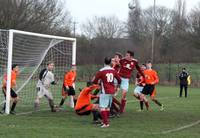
{"type": "Point", "coordinates": [127, 65]}
{"type": "Point", "coordinates": [139, 82]}
{"type": "Point", "coordinates": [115, 107]}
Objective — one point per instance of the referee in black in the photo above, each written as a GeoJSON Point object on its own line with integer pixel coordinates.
{"type": "Point", "coordinates": [183, 76]}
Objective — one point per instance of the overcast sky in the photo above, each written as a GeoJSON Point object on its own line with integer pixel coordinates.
{"type": "Point", "coordinates": [81, 10]}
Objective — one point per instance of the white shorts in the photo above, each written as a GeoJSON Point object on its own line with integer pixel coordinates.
{"type": "Point", "coordinates": [124, 84]}
{"type": "Point", "coordinates": [42, 91]}
{"type": "Point", "coordinates": [115, 82]}
{"type": "Point", "coordinates": [105, 100]}
{"type": "Point", "coordinates": [138, 89]}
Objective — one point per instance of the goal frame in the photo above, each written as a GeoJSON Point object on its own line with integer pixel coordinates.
{"type": "Point", "coordinates": [10, 54]}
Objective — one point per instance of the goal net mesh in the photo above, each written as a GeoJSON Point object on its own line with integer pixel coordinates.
{"type": "Point", "coordinates": [31, 53]}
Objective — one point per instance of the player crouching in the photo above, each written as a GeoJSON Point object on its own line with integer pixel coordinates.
{"type": "Point", "coordinates": [84, 105]}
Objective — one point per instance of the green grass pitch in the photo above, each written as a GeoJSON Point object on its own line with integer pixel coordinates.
{"type": "Point", "coordinates": [179, 112]}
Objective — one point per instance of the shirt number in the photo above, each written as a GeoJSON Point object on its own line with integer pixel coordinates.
{"type": "Point", "coordinates": [109, 77]}
{"type": "Point", "coordinates": [128, 66]}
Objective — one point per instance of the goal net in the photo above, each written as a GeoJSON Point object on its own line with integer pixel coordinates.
{"type": "Point", "coordinates": [32, 51]}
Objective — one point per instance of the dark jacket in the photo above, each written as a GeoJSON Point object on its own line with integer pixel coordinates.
{"type": "Point", "coordinates": [183, 78]}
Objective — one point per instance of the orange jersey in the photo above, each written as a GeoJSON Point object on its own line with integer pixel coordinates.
{"type": "Point", "coordinates": [69, 78]}
{"type": "Point", "coordinates": [13, 79]}
{"type": "Point", "coordinates": [151, 76]}
{"type": "Point", "coordinates": [84, 97]}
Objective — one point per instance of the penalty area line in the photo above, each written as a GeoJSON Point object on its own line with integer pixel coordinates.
{"type": "Point", "coordinates": [130, 101]}
{"type": "Point", "coordinates": [181, 128]}
{"type": "Point", "coordinates": [30, 112]}
{"type": "Point", "coordinates": [162, 98]}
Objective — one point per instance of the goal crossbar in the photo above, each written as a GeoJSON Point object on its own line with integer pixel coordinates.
{"type": "Point", "coordinates": [41, 35]}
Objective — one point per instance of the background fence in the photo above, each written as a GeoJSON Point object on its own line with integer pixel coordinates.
{"type": "Point", "coordinates": [168, 72]}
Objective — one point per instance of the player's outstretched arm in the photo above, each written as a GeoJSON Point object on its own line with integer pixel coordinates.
{"type": "Point", "coordinates": [139, 69]}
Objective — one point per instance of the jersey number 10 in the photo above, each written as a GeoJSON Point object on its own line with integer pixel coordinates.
{"type": "Point", "coordinates": [109, 77]}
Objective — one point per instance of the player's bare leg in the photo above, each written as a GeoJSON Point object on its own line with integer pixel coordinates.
{"type": "Point", "coordinates": [145, 100]}
{"type": "Point", "coordinates": [51, 104]}
{"type": "Point", "coordinates": [115, 107]}
{"type": "Point", "coordinates": [114, 110]}
{"type": "Point", "coordinates": [137, 96]}
{"type": "Point", "coordinates": [116, 101]}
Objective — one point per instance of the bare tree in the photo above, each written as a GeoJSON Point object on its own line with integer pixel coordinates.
{"type": "Point", "coordinates": [163, 17]}
{"type": "Point", "coordinates": [103, 27]}
{"type": "Point", "coordinates": [194, 20]}
{"type": "Point", "coordinates": [179, 20]}
{"type": "Point", "coordinates": [45, 16]}
{"type": "Point", "coordinates": [194, 31]}
{"type": "Point", "coordinates": [161, 23]}
{"type": "Point", "coordinates": [134, 25]}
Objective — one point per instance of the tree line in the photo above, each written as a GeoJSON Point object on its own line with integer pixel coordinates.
{"type": "Point", "coordinates": [177, 32]}
{"type": "Point", "coordinates": [41, 16]}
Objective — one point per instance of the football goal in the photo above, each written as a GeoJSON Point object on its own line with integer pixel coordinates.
{"type": "Point", "coordinates": [31, 52]}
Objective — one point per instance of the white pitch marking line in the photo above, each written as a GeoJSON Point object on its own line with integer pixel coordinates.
{"type": "Point", "coordinates": [30, 112]}
{"type": "Point", "coordinates": [163, 132]}
{"type": "Point", "coordinates": [130, 101]}
{"type": "Point", "coordinates": [181, 128]}
{"type": "Point", "coordinates": [133, 101]}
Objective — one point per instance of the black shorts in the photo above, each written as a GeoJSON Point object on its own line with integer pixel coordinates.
{"type": "Point", "coordinates": [83, 110]}
{"type": "Point", "coordinates": [71, 91]}
{"type": "Point", "coordinates": [12, 93]}
{"type": "Point", "coordinates": [83, 113]}
{"type": "Point", "coordinates": [148, 89]}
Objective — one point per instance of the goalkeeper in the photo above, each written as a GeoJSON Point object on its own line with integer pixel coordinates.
{"type": "Point", "coordinates": [46, 78]}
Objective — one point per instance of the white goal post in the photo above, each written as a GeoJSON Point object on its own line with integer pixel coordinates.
{"type": "Point", "coordinates": [29, 50]}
